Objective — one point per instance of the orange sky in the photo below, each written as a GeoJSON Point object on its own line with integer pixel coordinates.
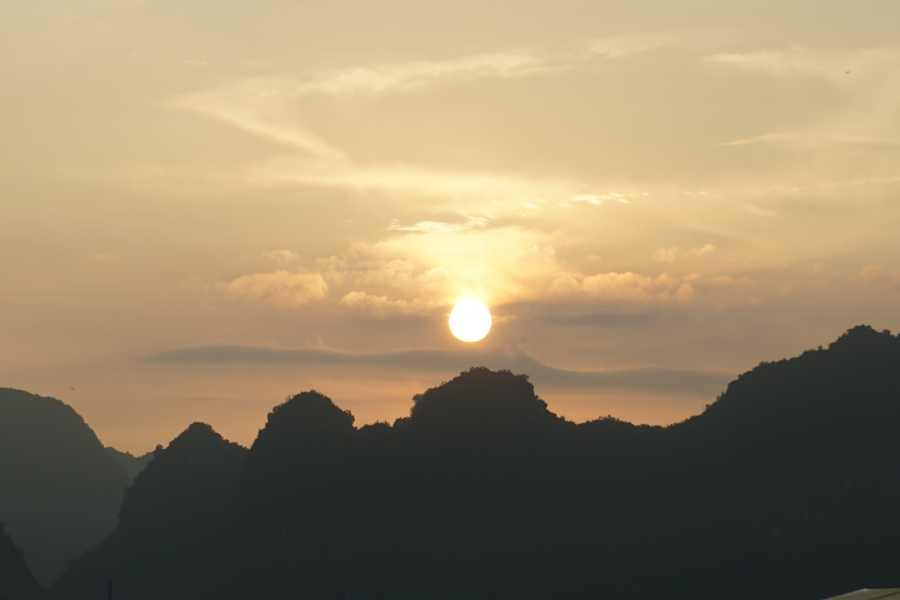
{"type": "Point", "coordinates": [206, 206]}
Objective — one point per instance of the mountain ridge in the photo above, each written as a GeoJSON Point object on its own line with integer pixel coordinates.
{"type": "Point", "coordinates": [785, 487]}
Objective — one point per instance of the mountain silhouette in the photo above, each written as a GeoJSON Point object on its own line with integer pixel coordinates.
{"type": "Point", "coordinates": [59, 489]}
{"type": "Point", "coordinates": [16, 580]}
{"type": "Point", "coordinates": [132, 464]}
{"type": "Point", "coordinates": [786, 487]}
{"type": "Point", "coordinates": [171, 521]}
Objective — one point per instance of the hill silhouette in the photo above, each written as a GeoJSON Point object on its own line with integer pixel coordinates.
{"type": "Point", "coordinates": [59, 489]}
{"type": "Point", "coordinates": [132, 464]}
{"type": "Point", "coordinates": [786, 487]}
{"type": "Point", "coordinates": [171, 521]}
{"type": "Point", "coordinates": [16, 580]}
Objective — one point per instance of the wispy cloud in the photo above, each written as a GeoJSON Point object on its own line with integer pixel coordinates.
{"type": "Point", "coordinates": [280, 288]}
{"type": "Point", "coordinates": [271, 107]}
{"type": "Point", "coordinates": [470, 222]}
{"type": "Point", "coordinates": [798, 60]}
{"type": "Point", "coordinates": [625, 287]}
{"type": "Point", "coordinates": [867, 80]}
{"type": "Point", "coordinates": [258, 107]}
{"type": "Point", "coordinates": [286, 171]}
{"type": "Point", "coordinates": [383, 306]}
{"type": "Point", "coordinates": [618, 47]}
{"type": "Point", "coordinates": [597, 199]}
{"type": "Point", "coordinates": [769, 137]}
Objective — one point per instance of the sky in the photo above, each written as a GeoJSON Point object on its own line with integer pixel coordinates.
{"type": "Point", "coordinates": [208, 206]}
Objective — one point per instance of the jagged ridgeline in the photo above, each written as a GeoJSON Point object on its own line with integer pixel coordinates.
{"type": "Point", "coordinates": [786, 487]}
{"type": "Point", "coordinates": [60, 491]}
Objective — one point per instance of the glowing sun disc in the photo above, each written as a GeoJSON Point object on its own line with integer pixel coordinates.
{"type": "Point", "coordinates": [470, 320]}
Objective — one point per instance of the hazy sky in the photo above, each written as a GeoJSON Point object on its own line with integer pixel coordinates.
{"type": "Point", "coordinates": [206, 206]}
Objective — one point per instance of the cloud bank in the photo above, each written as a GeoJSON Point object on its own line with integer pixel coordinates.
{"type": "Point", "coordinates": [651, 379]}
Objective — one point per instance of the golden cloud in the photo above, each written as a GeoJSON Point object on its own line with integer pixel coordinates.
{"type": "Point", "coordinates": [280, 288]}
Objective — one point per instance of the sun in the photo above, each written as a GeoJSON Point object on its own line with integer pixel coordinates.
{"type": "Point", "coordinates": [470, 320]}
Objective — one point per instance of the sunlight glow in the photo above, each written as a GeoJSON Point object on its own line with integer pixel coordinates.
{"type": "Point", "coordinates": [470, 320]}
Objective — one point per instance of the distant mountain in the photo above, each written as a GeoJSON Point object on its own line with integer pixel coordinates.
{"type": "Point", "coordinates": [132, 464]}
{"type": "Point", "coordinates": [16, 580]}
{"type": "Point", "coordinates": [60, 491]}
{"type": "Point", "coordinates": [172, 519]}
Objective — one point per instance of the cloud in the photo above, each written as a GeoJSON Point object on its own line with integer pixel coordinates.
{"type": "Point", "coordinates": [589, 198]}
{"type": "Point", "coordinates": [797, 60]}
{"type": "Point", "coordinates": [880, 274]}
{"type": "Point", "coordinates": [497, 265]}
{"type": "Point", "coordinates": [873, 273]}
{"type": "Point", "coordinates": [383, 306]}
{"type": "Point", "coordinates": [728, 281]}
{"type": "Point", "coordinates": [769, 137]}
{"type": "Point", "coordinates": [625, 287]}
{"type": "Point", "coordinates": [258, 107]}
{"type": "Point", "coordinates": [597, 199]}
{"type": "Point", "coordinates": [651, 378]}
{"type": "Point", "coordinates": [625, 46]}
{"type": "Point", "coordinates": [674, 253]}
{"type": "Point", "coordinates": [291, 170]}
{"type": "Point", "coordinates": [498, 64]}
{"type": "Point", "coordinates": [266, 106]}
{"type": "Point", "coordinates": [281, 288]}
{"type": "Point", "coordinates": [416, 74]}
{"type": "Point", "coordinates": [867, 81]}
{"type": "Point", "coordinates": [604, 319]}
{"type": "Point", "coordinates": [270, 107]}
{"type": "Point", "coordinates": [441, 227]}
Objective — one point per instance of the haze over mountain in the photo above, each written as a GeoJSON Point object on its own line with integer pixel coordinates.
{"type": "Point", "coordinates": [786, 487]}
{"type": "Point", "coordinates": [132, 464]}
{"type": "Point", "coordinates": [16, 580]}
{"type": "Point", "coordinates": [60, 491]}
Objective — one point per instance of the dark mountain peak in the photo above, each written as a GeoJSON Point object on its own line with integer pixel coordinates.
{"type": "Point", "coordinates": [850, 387]}
{"type": "Point", "coordinates": [60, 490]}
{"type": "Point", "coordinates": [195, 437]}
{"type": "Point", "coordinates": [480, 395]}
{"type": "Point", "coordinates": [863, 338]}
{"type": "Point", "coordinates": [193, 450]}
{"type": "Point", "coordinates": [172, 519]}
{"type": "Point", "coordinates": [307, 416]}
{"type": "Point", "coordinates": [21, 405]}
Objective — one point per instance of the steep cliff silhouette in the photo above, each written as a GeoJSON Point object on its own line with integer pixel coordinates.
{"type": "Point", "coordinates": [172, 519]}
{"type": "Point", "coordinates": [16, 580]}
{"type": "Point", "coordinates": [59, 489]}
